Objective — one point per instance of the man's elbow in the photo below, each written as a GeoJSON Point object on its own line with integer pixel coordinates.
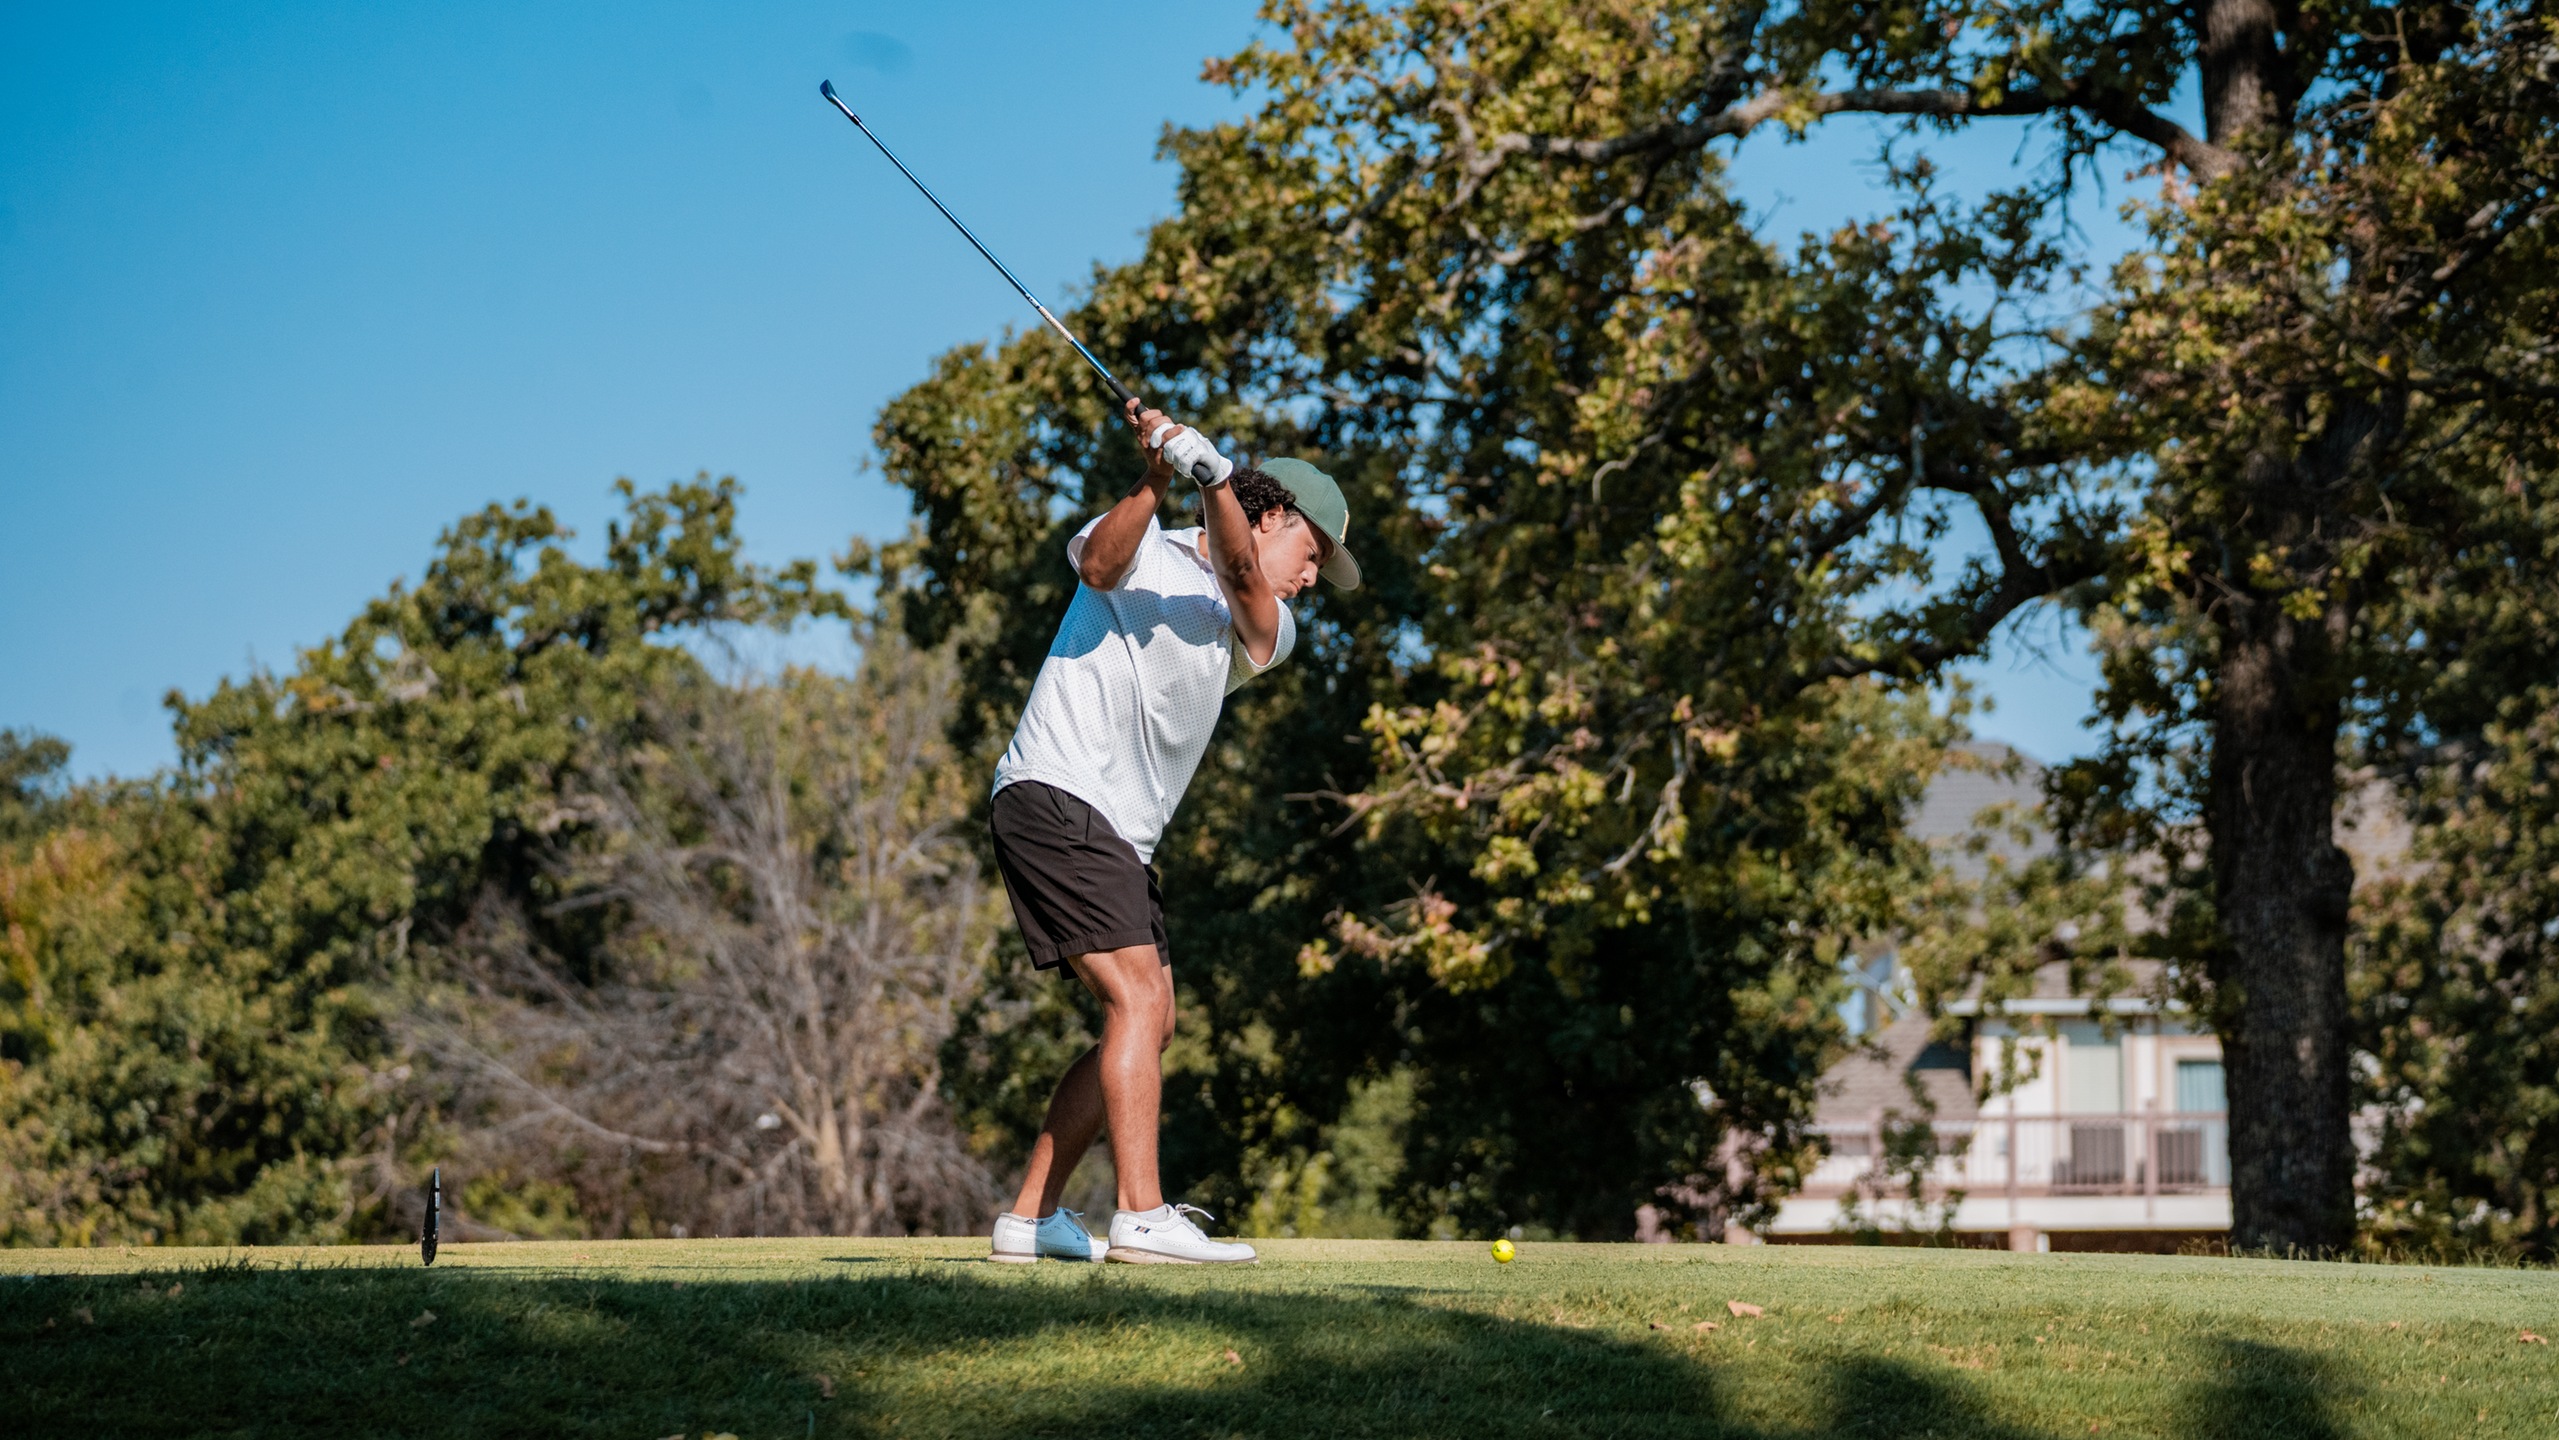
{"type": "Point", "coordinates": [1237, 577]}
{"type": "Point", "coordinates": [1101, 576]}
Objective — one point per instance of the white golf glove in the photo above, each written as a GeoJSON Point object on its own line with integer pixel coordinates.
{"type": "Point", "coordinates": [1189, 452]}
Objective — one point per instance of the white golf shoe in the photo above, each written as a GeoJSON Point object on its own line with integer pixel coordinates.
{"type": "Point", "coordinates": [1167, 1236]}
{"type": "Point", "coordinates": [1060, 1235]}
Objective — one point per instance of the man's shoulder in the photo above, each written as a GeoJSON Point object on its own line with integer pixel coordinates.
{"type": "Point", "coordinates": [1187, 550]}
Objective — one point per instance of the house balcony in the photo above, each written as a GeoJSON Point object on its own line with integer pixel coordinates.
{"type": "Point", "coordinates": [2041, 1181]}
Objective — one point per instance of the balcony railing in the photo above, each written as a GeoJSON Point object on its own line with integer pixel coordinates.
{"type": "Point", "coordinates": [2036, 1155]}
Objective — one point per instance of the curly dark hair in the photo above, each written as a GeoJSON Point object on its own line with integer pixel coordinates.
{"type": "Point", "coordinates": [1258, 493]}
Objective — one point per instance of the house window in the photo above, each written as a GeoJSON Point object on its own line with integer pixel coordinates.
{"type": "Point", "coordinates": [2196, 1152]}
{"type": "Point", "coordinates": [2199, 1087]}
{"type": "Point", "coordinates": [2092, 1070]}
{"type": "Point", "coordinates": [1877, 992]}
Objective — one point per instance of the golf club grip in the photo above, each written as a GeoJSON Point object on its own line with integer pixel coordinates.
{"type": "Point", "coordinates": [1204, 470]}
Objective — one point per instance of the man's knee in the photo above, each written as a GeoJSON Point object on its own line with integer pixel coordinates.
{"type": "Point", "coordinates": [1164, 1033]}
{"type": "Point", "coordinates": [1134, 979]}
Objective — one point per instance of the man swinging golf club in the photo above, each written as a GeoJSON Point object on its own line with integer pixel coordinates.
{"type": "Point", "coordinates": [1165, 625]}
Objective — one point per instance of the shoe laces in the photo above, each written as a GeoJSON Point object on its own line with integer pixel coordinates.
{"type": "Point", "coordinates": [1075, 1215]}
{"type": "Point", "coordinates": [1183, 1212]}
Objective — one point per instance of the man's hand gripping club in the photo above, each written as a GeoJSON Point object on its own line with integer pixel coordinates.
{"type": "Point", "coordinates": [1185, 449]}
{"type": "Point", "coordinates": [1177, 449]}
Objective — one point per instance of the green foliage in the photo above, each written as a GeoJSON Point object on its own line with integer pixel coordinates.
{"type": "Point", "coordinates": [523, 1207]}
{"type": "Point", "coordinates": [153, 1089]}
{"type": "Point", "coordinates": [2457, 987]}
{"type": "Point", "coordinates": [417, 757]}
{"type": "Point", "coordinates": [2456, 983]}
{"type": "Point", "coordinates": [1517, 898]}
{"type": "Point", "coordinates": [1675, 521]}
{"type": "Point", "coordinates": [2341, 358]}
{"type": "Point", "coordinates": [1341, 1182]}
{"type": "Point", "coordinates": [195, 1046]}
{"type": "Point", "coordinates": [2366, 300]}
{"type": "Point", "coordinates": [30, 774]}
{"type": "Point", "coordinates": [1605, 827]}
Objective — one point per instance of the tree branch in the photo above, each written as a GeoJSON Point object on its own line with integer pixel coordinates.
{"type": "Point", "coordinates": [1963, 624]}
{"type": "Point", "coordinates": [2122, 114]}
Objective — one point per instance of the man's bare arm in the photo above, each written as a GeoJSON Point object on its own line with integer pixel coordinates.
{"type": "Point", "coordinates": [1112, 546]}
{"type": "Point", "coordinates": [1238, 563]}
{"type": "Point", "coordinates": [1231, 551]}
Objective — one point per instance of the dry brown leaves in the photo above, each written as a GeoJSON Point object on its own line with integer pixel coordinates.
{"type": "Point", "coordinates": [1968, 1357]}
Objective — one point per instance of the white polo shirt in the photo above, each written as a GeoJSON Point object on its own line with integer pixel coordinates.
{"type": "Point", "coordinates": [1123, 707]}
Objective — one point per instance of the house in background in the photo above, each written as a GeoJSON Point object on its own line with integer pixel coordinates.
{"type": "Point", "coordinates": [2118, 1142]}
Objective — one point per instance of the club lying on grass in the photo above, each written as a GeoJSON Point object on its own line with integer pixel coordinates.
{"type": "Point", "coordinates": [434, 1212]}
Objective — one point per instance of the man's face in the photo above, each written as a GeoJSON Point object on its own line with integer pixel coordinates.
{"type": "Point", "coordinates": [1288, 549]}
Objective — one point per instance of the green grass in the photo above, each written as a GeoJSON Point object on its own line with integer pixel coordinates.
{"type": "Point", "coordinates": [1327, 1338]}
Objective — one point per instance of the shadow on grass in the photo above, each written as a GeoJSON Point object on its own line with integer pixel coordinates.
{"type": "Point", "coordinates": [924, 1351]}
{"type": "Point", "coordinates": [2264, 1392]}
{"type": "Point", "coordinates": [1882, 1397]}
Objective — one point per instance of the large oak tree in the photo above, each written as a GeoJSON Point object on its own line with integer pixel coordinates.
{"type": "Point", "coordinates": [1679, 502]}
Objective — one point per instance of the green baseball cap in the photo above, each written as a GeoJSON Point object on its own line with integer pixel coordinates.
{"type": "Point", "coordinates": [1320, 501]}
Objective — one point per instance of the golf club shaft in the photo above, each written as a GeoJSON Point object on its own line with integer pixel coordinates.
{"type": "Point", "coordinates": [827, 89]}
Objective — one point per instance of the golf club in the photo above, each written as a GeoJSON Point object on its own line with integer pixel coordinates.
{"type": "Point", "coordinates": [1206, 468]}
{"type": "Point", "coordinates": [435, 1203]}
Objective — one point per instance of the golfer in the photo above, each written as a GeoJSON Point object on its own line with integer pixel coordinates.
{"type": "Point", "coordinates": [1166, 624]}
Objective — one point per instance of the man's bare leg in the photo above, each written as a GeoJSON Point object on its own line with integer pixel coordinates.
{"type": "Point", "coordinates": [1074, 1119]}
{"type": "Point", "coordinates": [1137, 1023]}
{"type": "Point", "coordinates": [1120, 1081]}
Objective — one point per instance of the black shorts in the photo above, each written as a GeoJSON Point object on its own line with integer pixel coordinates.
{"type": "Point", "coordinates": [1077, 887]}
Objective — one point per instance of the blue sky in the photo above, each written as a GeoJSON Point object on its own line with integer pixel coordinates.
{"type": "Point", "coordinates": [286, 288]}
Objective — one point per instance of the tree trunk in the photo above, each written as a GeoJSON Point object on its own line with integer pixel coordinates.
{"type": "Point", "coordinates": [2280, 883]}
{"type": "Point", "coordinates": [2235, 49]}
{"type": "Point", "coordinates": [2281, 886]}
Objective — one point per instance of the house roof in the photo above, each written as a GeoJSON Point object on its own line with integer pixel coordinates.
{"type": "Point", "coordinates": [1876, 1077]}
{"type": "Point", "coordinates": [1980, 774]}
{"type": "Point", "coordinates": [1983, 773]}
{"type": "Point", "coordinates": [2050, 993]}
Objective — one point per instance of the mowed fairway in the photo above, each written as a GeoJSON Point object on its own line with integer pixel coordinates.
{"type": "Point", "coordinates": [768, 1339]}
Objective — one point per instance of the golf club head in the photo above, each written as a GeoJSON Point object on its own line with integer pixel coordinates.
{"type": "Point", "coordinates": [435, 1203]}
{"type": "Point", "coordinates": [826, 88]}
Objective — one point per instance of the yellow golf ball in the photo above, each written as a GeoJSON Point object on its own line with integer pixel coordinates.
{"type": "Point", "coordinates": [1503, 1250]}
